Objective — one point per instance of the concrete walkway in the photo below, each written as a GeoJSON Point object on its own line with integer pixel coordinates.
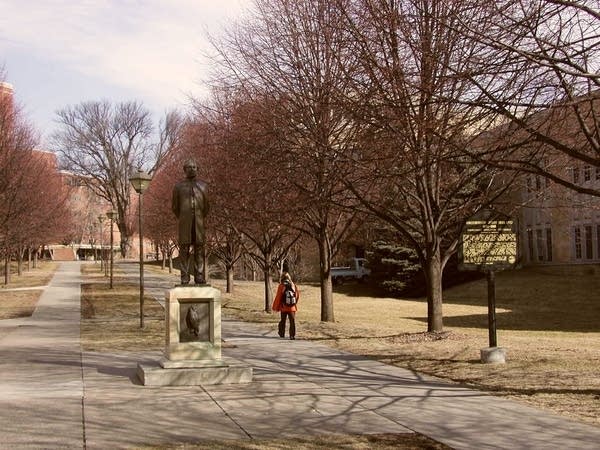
{"type": "Point", "coordinates": [53, 396]}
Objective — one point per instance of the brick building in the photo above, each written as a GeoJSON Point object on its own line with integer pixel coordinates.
{"type": "Point", "coordinates": [558, 225]}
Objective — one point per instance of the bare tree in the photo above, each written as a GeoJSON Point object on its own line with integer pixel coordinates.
{"type": "Point", "coordinates": [17, 141]}
{"type": "Point", "coordinates": [290, 52]}
{"type": "Point", "coordinates": [161, 223]}
{"type": "Point", "coordinates": [226, 245]}
{"type": "Point", "coordinates": [32, 195]}
{"type": "Point", "coordinates": [103, 143]}
{"type": "Point", "coordinates": [545, 84]}
{"type": "Point", "coordinates": [419, 114]}
{"type": "Point", "coordinates": [42, 216]}
{"type": "Point", "coordinates": [263, 211]}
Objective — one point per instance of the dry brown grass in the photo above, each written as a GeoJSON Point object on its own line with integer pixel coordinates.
{"type": "Point", "coordinates": [348, 442]}
{"type": "Point", "coordinates": [547, 321]}
{"type": "Point", "coordinates": [22, 303]}
{"type": "Point", "coordinates": [110, 318]}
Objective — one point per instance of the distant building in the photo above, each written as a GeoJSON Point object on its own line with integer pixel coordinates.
{"type": "Point", "coordinates": [558, 225]}
{"type": "Point", "coordinates": [89, 238]}
{"type": "Point", "coordinates": [6, 94]}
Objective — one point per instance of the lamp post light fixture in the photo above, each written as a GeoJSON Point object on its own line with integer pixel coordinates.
{"type": "Point", "coordinates": [140, 182]}
{"type": "Point", "coordinates": [112, 215]}
{"type": "Point", "coordinates": [102, 263]}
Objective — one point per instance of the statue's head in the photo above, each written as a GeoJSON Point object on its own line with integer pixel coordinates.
{"type": "Point", "coordinates": [190, 167]}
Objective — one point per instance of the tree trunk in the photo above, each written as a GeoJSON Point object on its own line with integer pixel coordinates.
{"type": "Point", "coordinates": [229, 271]}
{"type": "Point", "coordinates": [268, 290]}
{"type": "Point", "coordinates": [124, 247]}
{"type": "Point", "coordinates": [433, 278]}
{"type": "Point", "coordinates": [7, 268]}
{"type": "Point", "coordinates": [170, 262]}
{"type": "Point", "coordinates": [326, 286]}
{"type": "Point", "coordinates": [125, 239]}
{"type": "Point", "coordinates": [35, 259]}
{"type": "Point", "coordinates": [20, 262]}
{"type": "Point", "coordinates": [163, 263]}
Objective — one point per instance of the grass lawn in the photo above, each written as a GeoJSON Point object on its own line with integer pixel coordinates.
{"type": "Point", "coordinates": [110, 318]}
{"type": "Point", "coordinates": [22, 303]}
{"type": "Point", "coordinates": [547, 322]}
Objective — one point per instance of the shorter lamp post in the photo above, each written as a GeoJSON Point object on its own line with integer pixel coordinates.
{"type": "Point", "coordinates": [112, 215]}
{"type": "Point", "coordinates": [140, 182]}
{"type": "Point", "coordinates": [102, 263]}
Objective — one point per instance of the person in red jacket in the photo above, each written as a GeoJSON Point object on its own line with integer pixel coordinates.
{"type": "Point", "coordinates": [286, 301]}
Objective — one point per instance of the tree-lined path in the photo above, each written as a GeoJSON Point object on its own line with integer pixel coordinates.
{"type": "Point", "coordinates": [54, 396]}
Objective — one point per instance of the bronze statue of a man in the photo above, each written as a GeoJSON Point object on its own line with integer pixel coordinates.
{"type": "Point", "coordinates": [190, 205]}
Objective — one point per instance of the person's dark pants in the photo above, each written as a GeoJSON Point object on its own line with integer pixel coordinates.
{"type": "Point", "coordinates": [292, 316]}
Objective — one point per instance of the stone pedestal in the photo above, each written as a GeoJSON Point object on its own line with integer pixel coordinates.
{"type": "Point", "coordinates": [493, 355]}
{"type": "Point", "coordinates": [193, 342]}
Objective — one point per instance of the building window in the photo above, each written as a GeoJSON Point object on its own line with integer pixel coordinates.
{"type": "Point", "coordinates": [575, 175]}
{"type": "Point", "coordinates": [528, 184]}
{"type": "Point", "coordinates": [530, 244]}
{"type": "Point", "coordinates": [549, 242]}
{"type": "Point", "coordinates": [539, 234]}
{"type": "Point", "coordinates": [597, 173]}
{"type": "Point", "coordinates": [577, 241]}
{"type": "Point", "coordinates": [538, 183]}
{"type": "Point", "coordinates": [589, 248]}
{"type": "Point", "coordinates": [587, 173]}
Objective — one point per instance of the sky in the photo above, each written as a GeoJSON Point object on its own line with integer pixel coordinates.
{"type": "Point", "coordinates": [59, 53]}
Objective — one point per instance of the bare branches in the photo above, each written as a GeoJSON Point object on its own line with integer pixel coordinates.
{"type": "Point", "coordinates": [32, 196]}
{"type": "Point", "coordinates": [547, 88]}
{"type": "Point", "coordinates": [102, 143]}
{"type": "Point", "coordinates": [291, 53]}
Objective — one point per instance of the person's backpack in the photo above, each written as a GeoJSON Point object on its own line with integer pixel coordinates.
{"type": "Point", "coordinates": [289, 296]}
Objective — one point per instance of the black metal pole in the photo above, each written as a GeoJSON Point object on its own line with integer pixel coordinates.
{"type": "Point", "coordinates": [111, 252]}
{"type": "Point", "coordinates": [141, 263]}
{"type": "Point", "coordinates": [491, 280]}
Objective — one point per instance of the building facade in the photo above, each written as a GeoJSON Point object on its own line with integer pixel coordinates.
{"type": "Point", "coordinates": [558, 225]}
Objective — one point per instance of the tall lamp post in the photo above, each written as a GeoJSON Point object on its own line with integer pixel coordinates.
{"type": "Point", "coordinates": [112, 215]}
{"type": "Point", "coordinates": [102, 263]}
{"type": "Point", "coordinates": [140, 182]}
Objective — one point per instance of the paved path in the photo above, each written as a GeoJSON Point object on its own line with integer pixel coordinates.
{"type": "Point", "coordinates": [53, 396]}
{"type": "Point", "coordinates": [41, 382]}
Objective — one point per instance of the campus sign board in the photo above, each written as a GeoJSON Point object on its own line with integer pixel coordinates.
{"type": "Point", "coordinates": [488, 242]}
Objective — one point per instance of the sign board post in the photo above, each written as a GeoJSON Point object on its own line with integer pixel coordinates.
{"type": "Point", "coordinates": [491, 280]}
{"type": "Point", "coordinates": [489, 244]}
